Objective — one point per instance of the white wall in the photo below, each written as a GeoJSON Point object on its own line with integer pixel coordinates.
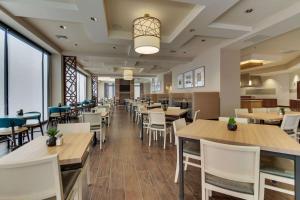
{"type": "Point", "coordinates": [294, 77]}
{"type": "Point", "coordinates": [211, 60]}
{"type": "Point", "coordinates": [56, 80]}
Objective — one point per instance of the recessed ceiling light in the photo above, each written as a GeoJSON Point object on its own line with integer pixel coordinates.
{"type": "Point", "coordinates": [62, 27]}
{"type": "Point", "coordinates": [184, 52]}
{"type": "Point", "coordinates": [203, 40]}
{"type": "Point", "coordinates": [192, 30]}
{"type": "Point", "coordinates": [94, 19]}
{"type": "Point", "coordinates": [249, 10]}
{"type": "Point", "coordinates": [61, 37]}
{"type": "Point", "coordinates": [114, 47]}
{"type": "Point", "coordinates": [75, 44]}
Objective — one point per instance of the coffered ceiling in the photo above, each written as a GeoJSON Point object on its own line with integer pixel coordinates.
{"type": "Point", "coordinates": [103, 46]}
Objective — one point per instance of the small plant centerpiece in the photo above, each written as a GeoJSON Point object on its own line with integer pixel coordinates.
{"type": "Point", "coordinates": [281, 111]}
{"type": "Point", "coordinates": [231, 125]}
{"type": "Point", "coordinates": [52, 133]}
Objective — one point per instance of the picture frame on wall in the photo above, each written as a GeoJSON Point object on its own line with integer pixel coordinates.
{"type": "Point", "coordinates": [188, 79]}
{"type": "Point", "coordinates": [180, 81]}
{"type": "Point", "coordinates": [199, 76]}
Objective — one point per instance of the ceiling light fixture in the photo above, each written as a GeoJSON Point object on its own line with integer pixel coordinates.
{"type": "Point", "coordinates": [62, 27]}
{"type": "Point", "coordinates": [128, 74]}
{"type": "Point", "coordinates": [94, 19]}
{"type": "Point", "coordinates": [146, 34]}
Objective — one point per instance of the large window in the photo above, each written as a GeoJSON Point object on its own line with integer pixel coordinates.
{"type": "Point", "coordinates": [109, 90]}
{"type": "Point", "coordinates": [137, 90]}
{"type": "Point", "coordinates": [23, 74]}
{"type": "Point", "coordinates": [2, 83]}
{"type": "Point", "coordinates": [81, 87]}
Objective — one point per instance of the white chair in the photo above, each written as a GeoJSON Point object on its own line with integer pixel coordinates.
{"type": "Point", "coordinates": [74, 128]}
{"type": "Point", "coordinates": [237, 111]}
{"type": "Point", "coordinates": [230, 169]}
{"type": "Point", "coordinates": [196, 115]}
{"type": "Point", "coordinates": [95, 120]}
{"type": "Point", "coordinates": [259, 110]}
{"type": "Point", "coordinates": [273, 110]}
{"type": "Point", "coordinates": [157, 124]}
{"type": "Point", "coordinates": [282, 171]}
{"type": "Point", "coordinates": [237, 119]}
{"type": "Point", "coordinates": [175, 108]}
{"type": "Point", "coordinates": [101, 109]}
{"type": "Point", "coordinates": [191, 149]}
{"type": "Point", "coordinates": [38, 179]}
{"type": "Point", "coordinates": [290, 124]}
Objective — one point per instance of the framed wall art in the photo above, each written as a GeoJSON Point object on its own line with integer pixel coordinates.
{"type": "Point", "coordinates": [188, 79]}
{"type": "Point", "coordinates": [199, 76]}
{"type": "Point", "coordinates": [180, 81]}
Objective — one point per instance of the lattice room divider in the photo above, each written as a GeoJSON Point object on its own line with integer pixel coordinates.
{"type": "Point", "coordinates": [70, 80]}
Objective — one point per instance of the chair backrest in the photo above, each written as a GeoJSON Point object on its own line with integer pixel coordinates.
{"type": "Point", "coordinates": [273, 110]}
{"type": "Point", "coordinates": [259, 110]}
{"type": "Point", "coordinates": [173, 107]}
{"type": "Point", "coordinates": [290, 122]}
{"type": "Point", "coordinates": [94, 119]}
{"type": "Point", "coordinates": [74, 128]}
{"type": "Point", "coordinates": [232, 162]}
{"type": "Point", "coordinates": [177, 125]}
{"type": "Point", "coordinates": [35, 179]}
{"type": "Point", "coordinates": [237, 119]}
{"type": "Point", "coordinates": [196, 115]}
{"type": "Point", "coordinates": [157, 104]}
{"type": "Point", "coordinates": [101, 109]}
{"type": "Point", "coordinates": [157, 118]}
{"type": "Point", "coordinates": [237, 111]}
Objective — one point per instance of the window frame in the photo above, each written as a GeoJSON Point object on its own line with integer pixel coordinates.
{"type": "Point", "coordinates": [8, 30]}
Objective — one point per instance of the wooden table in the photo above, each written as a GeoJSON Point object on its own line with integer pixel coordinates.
{"type": "Point", "coordinates": [73, 151]}
{"type": "Point", "coordinates": [263, 116]}
{"type": "Point", "coordinates": [176, 113]}
{"type": "Point", "coordinates": [271, 139]}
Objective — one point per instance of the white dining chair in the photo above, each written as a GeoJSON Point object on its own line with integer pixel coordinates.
{"type": "Point", "coordinates": [95, 120]}
{"type": "Point", "coordinates": [103, 109]}
{"type": "Point", "coordinates": [173, 107]}
{"type": "Point", "coordinates": [230, 169]}
{"type": "Point", "coordinates": [290, 123]}
{"type": "Point", "coordinates": [273, 110]}
{"type": "Point", "coordinates": [74, 128]}
{"type": "Point", "coordinates": [38, 179]}
{"type": "Point", "coordinates": [191, 149]}
{"type": "Point", "coordinates": [237, 119]}
{"type": "Point", "coordinates": [157, 125]}
{"type": "Point", "coordinates": [259, 110]}
{"type": "Point", "coordinates": [196, 115]}
{"type": "Point", "coordinates": [238, 111]}
{"type": "Point", "coordinates": [281, 171]}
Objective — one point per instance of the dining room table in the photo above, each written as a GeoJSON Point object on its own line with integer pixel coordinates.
{"type": "Point", "coordinates": [271, 140]}
{"type": "Point", "coordinates": [266, 116]}
{"type": "Point", "coordinates": [25, 116]}
{"type": "Point", "coordinates": [174, 113]}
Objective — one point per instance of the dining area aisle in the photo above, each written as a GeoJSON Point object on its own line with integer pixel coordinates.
{"type": "Point", "coordinates": [127, 168]}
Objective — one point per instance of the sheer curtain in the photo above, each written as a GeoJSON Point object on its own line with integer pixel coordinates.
{"type": "Point", "coordinates": [25, 76]}
{"type": "Point", "coordinates": [81, 87]}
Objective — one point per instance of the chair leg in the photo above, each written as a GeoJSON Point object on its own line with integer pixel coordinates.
{"type": "Point", "coordinates": [206, 194]}
{"type": "Point", "coordinates": [150, 133]}
{"type": "Point", "coordinates": [262, 188]}
{"type": "Point", "coordinates": [31, 133]}
{"type": "Point", "coordinates": [165, 139]}
{"type": "Point", "coordinates": [185, 164]}
{"type": "Point", "coordinates": [177, 167]}
{"type": "Point", "coordinates": [100, 138]}
{"type": "Point", "coordinates": [170, 136]}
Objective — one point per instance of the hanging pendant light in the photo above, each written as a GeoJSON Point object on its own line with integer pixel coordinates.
{"type": "Point", "coordinates": [146, 34]}
{"type": "Point", "coordinates": [128, 74]}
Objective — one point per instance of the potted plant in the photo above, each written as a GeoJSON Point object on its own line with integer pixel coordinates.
{"type": "Point", "coordinates": [231, 125]}
{"type": "Point", "coordinates": [282, 111]}
{"type": "Point", "coordinates": [52, 132]}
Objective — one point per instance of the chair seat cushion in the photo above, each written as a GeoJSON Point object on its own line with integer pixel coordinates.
{"type": "Point", "coordinates": [8, 131]}
{"type": "Point", "coordinates": [68, 180]}
{"type": "Point", "coordinates": [278, 172]}
{"type": "Point", "coordinates": [242, 187]}
{"type": "Point", "coordinates": [157, 126]}
{"type": "Point", "coordinates": [192, 147]}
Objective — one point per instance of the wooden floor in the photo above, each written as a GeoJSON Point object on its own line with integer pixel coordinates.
{"type": "Point", "coordinates": [128, 169]}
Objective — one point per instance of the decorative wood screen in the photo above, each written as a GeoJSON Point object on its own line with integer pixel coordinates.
{"type": "Point", "coordinates": [70, 80]}
{"type": "Point", "coordinates": [95, 87]}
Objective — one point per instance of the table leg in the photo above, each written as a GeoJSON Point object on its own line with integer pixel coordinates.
{"type": "Point", "coordinates": [297, 178]}
{"type": "Point", "coordinates": [181, 172]}
{"type": "Point", "coordinates": [142, 127]}
{"type": "Point", "coordinates": [20, 139]}
{"type": "Point", "coordinates": [41, 126]}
